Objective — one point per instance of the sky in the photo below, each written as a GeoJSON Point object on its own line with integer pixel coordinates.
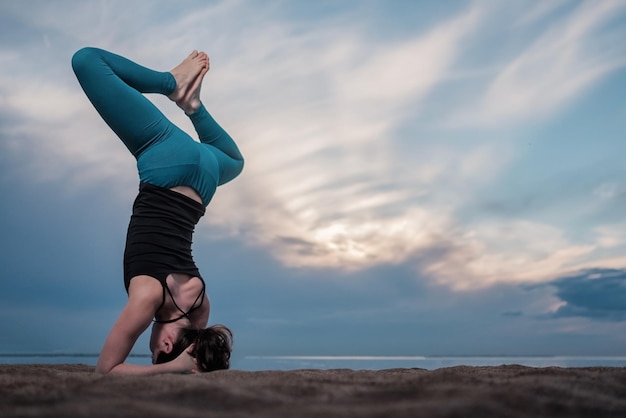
{"type": "Point", "coordinates": [422, 177]}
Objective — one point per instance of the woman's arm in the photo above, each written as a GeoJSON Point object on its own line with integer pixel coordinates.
{"type": "Point", "coordinates": [144, 298]}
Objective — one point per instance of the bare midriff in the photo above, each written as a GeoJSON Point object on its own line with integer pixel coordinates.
{"type": "Point", "coordinates": [187, 191]}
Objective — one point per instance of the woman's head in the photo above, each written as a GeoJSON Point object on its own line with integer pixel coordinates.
{"type": "Point", "coordinates": [212, 347]}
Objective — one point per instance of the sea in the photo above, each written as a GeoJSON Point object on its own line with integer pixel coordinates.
{"type": "Point", "coordinates": [256, 363]}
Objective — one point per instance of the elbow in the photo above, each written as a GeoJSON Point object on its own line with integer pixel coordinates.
{"type": "Point", "coordinates": [102, 370]}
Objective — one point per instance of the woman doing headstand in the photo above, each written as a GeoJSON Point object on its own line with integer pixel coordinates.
{"type": "Point", "coordinates": [178, 177]}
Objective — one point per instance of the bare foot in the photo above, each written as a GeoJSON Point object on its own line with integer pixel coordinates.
{"type": "Point", "coordinates": [190, 102]}
{"type": "Point", "coordinates": [186, 73]}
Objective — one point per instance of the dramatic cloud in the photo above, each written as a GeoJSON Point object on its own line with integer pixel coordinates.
{"type": "Point", "coordinates": [358, 154]}
{"type": "Point", "coordinates": [595, 293]}
{"type": "Point", "coordinates": [566, 58]}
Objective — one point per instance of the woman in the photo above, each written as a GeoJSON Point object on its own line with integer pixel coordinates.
{"type": "Point", "coordinates": [178, 177]}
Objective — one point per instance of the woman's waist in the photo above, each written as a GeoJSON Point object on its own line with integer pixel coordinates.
{"type": "Point", "coordinates": [161, 208]}
{"type": "Point", "coordinates": [179, 159]}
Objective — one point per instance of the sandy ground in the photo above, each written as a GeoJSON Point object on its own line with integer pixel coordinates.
{"type": "Point", "coordinates": [504, 391]}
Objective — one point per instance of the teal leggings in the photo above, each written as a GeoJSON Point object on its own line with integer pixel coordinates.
{"type": "Point", "coordinates": [166, 155]}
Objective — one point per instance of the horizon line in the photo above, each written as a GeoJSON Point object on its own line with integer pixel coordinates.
{"type": "Point", "coordinates": [63, 355]}
{"type": "Point", "coordinates": [429, 357]}
{"type": "Point", "coordinates": [347, 358]}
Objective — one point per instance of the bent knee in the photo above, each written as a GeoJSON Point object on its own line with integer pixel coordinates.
{"type": "Point", "coordinates": [241, 164]}
{"type": "Point", "coordinates": [83, 57]}
{"type": "Point", "coordinates": [230, 171]}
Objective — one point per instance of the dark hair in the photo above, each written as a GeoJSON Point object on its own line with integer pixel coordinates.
{"type": "Point", "coordinates": [212, 347]}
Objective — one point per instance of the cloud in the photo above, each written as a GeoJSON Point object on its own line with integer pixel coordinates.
{"type": "Point", "coordinates": [506, 251]}
{"type": "Point", "coordinates": [325, 166]}
{"type": "Point", "coordinates": [569, 56]}
{"type": "Point", "coordinates": [609, 191]}
{"type": "Point", "coordinates": [346, 168]}
{"type": "Point", "coordinates": [595, 293]}
{"type": "Point", "coordinates": [359, 200]}
{"type": "Point", "coordinates": [539, 11]}
{"type": "Point", "coordinates": [611, 236]}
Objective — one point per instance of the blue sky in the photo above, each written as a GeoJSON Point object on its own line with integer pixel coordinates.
{"type": "Point", "coordinates": [421, 177]}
